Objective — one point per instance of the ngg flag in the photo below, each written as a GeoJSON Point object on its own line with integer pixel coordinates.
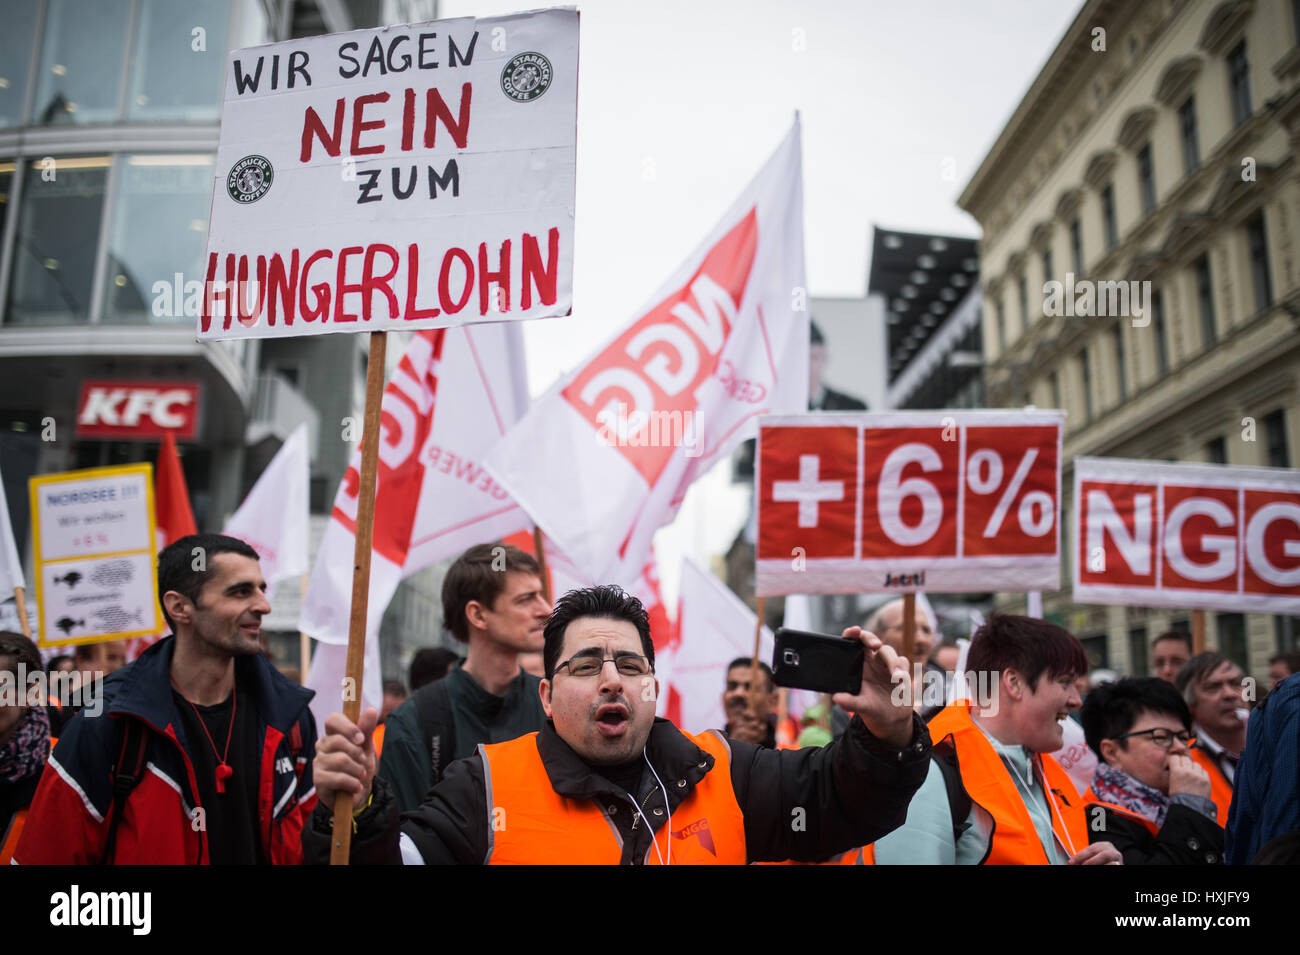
{"type": "Point", "coordinates": [395, 179]}
{"type": "Point", "coordinates": [605, 457]}
{"type": "Point", "coordinates": [1187, 535]}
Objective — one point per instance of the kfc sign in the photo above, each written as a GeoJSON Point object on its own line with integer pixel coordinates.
{"type": "Point", "coordinates": [908, 501]}
{"type": "Point", "coordinates": [1187, 535]}
{"type": "Point", "coordinates": [137, 409]}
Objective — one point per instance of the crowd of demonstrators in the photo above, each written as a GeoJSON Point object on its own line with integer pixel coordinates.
{"type": "Point", "coordinates": [752, 717]}
{"type": "Point", "coordinates": [492, 600]}
{"type": "Point", "coordinates": [1151, 798]}
{"type": "Point", "coordinates": [201, 750]}
{"type": "Point", "coordinates": [603, 780]}
{"type": "Point", "coordinates": [992, 794]}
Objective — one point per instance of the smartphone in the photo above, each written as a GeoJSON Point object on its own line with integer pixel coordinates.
{"type": "Point", "coordinates": [817, 661]}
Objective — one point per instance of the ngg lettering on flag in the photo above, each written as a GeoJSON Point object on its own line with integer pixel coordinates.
{"type": "Point", "coordinates": [1187, 535]}
{"type": "Point", "coordinates": [399, 178]}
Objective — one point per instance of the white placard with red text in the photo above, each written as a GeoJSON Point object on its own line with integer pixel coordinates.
{"type": "Point", "coordinates": [398, 178]}
{"type": "Point", "coordinates": [897, 502]}
{"type": "Point", "coordinates": [1203, 536]}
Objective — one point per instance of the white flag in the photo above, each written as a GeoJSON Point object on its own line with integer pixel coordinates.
{"type": "Point", "coordinates": [273, 519]}
{"type": "Point", "coordinates": [714, 627]}
{"type": "Point", "coordinates": [11, 568]}
{"type": "Point", "coordinates": [453, 395]}
{"type": "Point", "coordinates": [605, 457]}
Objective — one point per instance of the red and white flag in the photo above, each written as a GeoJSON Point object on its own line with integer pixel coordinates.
{"type": "Point", "coordinates": [604, 459]}
{"type": "Point", "coordinates": [11, 567]}
{"type": "Point", "coordinates": [453, 395]}
{"type": "Point", "coordinates": [273, 519]}
{"type": "Point", "coordinates": [714, 628]}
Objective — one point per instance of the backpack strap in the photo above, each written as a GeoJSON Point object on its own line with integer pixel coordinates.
{"type": "Point", "coordinates": [433, 703]}
{"type": "Point", "coordinates": [126, 776]}
{"type": "Point", "coordinates": [944, 754]}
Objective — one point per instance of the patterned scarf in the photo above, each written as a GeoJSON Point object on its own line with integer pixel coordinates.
{"type": "Point", "coordinates": [25, 753]}
{"type": "Point", "coordinates": [1118, 787]}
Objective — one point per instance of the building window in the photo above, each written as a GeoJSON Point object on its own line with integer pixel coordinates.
{"type": "Point", "coordinates": [1121, 369]}
{"type": "Point", "coordinates": [1239, 80]}
{"type": "Point", "coordinates": [1187, 128]}
{"type": "Point", "coordinates": [1022, 289]}
{"type": "Point", "coordinates": [57, 234]}
{"type": "Point", "coordinates": [159, 228]}
{"type": "Point", "coordinates": [174, 82]}
{"type": "Point", "coordinates": [1275, 440]}
{"type": "Point", "coordinates": [82, 54]}
{"type": "Point", "coordinates": [1076, 248]}
{"type": "Point", "coordinates": [1047, 265]}
{"type": "Point", "coordinates": [1287, 628]}
{"type": "Point", "coordinates": [1055, 382]}
{"type": "Point", "coordinates": [1232, 638]}
{"type": "Point", "coordinates": [1158, 328]}
{"type": "Point", "coordinates": [1002, 326]}
{"type": "Point", "coordinates": [17, 41]}
{"type": "Point", "coordinates": [1146, 179]}
{"type": "Point", "coordinates": [1205, 299]}
{"type": "Point", "coordinates": [1257, 238]}
{"type": "Point", "coordinates": [1216, 450]}
{"type": "Point", "coordinates": [1085, 375]}
{"type": "Point", "coordinates": [6, 191]}
{"type": "Point", "coordinates": [1137, 651]}
{"type": "Point", "coordinates": [1108, 217]}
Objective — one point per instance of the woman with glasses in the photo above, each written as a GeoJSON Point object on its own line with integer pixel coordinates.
{"type": "Point", "coordinates": [1149, 798]}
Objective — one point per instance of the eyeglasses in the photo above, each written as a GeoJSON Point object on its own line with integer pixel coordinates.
{"type": "Point", "coordinates": [627, 664]}
{"type": "Point", "coordinates": [1161, 737]}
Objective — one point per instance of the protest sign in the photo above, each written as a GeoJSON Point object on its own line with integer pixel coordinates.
{"type": "Point", "coordinates": [404, 177]}
{"type": "Point", "coordinates": [899, 502]}
{"type": "Point", "coordinates": [1187, 535]}
{"type": "Point", "coordinates": [93, 540]}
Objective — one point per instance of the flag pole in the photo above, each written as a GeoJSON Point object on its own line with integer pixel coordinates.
{"type": "Point", "coordinates": [341, 844]}
{"type": "Point", "coordinates": [909, 626]}
{"type": "Point", "coordinates": [753, 669]}
{"type": "Point", "coordinates": [541, 562]}
{"type": "Point", "coordinates": [1198, 631]}
{"type": "Point", "coordinates": [22, 613]}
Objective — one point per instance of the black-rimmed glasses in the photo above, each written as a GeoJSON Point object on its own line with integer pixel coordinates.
{"type": "Point", "coordinates": [627, 664]}
{"type": "Point", "coordinates": [1161, 737]}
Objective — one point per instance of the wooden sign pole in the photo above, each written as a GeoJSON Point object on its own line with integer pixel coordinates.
{"type": "Point", "coordinates": [541, 562]}
{"type": "Point", "coordinates": [1198, 631]}
{"type": "Point", "coordinates": [341, 844]}
{"type": "Point", "coordinates": [21, 606]}
{"type": "Point", "coordinates": [909, 626]}
{"type": "Point", "coordinates": [754, 671]}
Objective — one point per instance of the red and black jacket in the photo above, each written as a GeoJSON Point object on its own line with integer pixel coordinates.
{"type": "Point", "coordinates": [69, 819]}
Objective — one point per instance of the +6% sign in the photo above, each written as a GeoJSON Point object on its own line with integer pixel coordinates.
{"type": "Point", "coordinates": [909, 501]}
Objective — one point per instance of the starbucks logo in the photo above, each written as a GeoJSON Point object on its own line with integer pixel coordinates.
{"type": "Point", "coordinates": [249, 179]}
{"type": "Point", "coordinates": [526, 77]}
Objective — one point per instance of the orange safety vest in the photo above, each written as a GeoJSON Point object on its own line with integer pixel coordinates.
{"type": "Point", "coordinates": [983, 774]}
{"type": "Point", "coordinates": [1090, 799]}
{"type": "Point", "coordinates": [787, 734]}
{"type": "Point", "coordinates": [16, 825]}
{"type": "Point", "coordinates": [530, 823]}
{"type": "Point", "coordinates": [1220, 788]}
{"type": "Point", "coordinates": [378, 737]}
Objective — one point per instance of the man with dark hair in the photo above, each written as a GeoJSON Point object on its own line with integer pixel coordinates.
{"type": "Point", "coordinates": [604, 781]}
{"type": "Point", "coordinates": [491, 600]}
{"type": "Point", "coordinates": [759, 724]}
{"type": "Point", "coordinates": [1169, 652]}
{"type": "Point", "coordinates": [993, 794]}
{"type": "Point", "coordinates": [1212, 685]}
{"type": "Point", "coordinates": [1282, 666]}
{"type": "Point", "coordinates": [430, 664]}
{"type": "Point", "coordinates": [1149, 798]}
{"type": "Point", "coordinates": [207, 756]}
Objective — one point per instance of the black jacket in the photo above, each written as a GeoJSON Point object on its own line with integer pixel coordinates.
{"type": "Point", "coordinates": [852, 791]}
{"type": "Point", "coordinates": [1187, 837]}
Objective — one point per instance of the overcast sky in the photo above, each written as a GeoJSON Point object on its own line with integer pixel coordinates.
{"type": "Point", "coordinates": [680, 103]}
